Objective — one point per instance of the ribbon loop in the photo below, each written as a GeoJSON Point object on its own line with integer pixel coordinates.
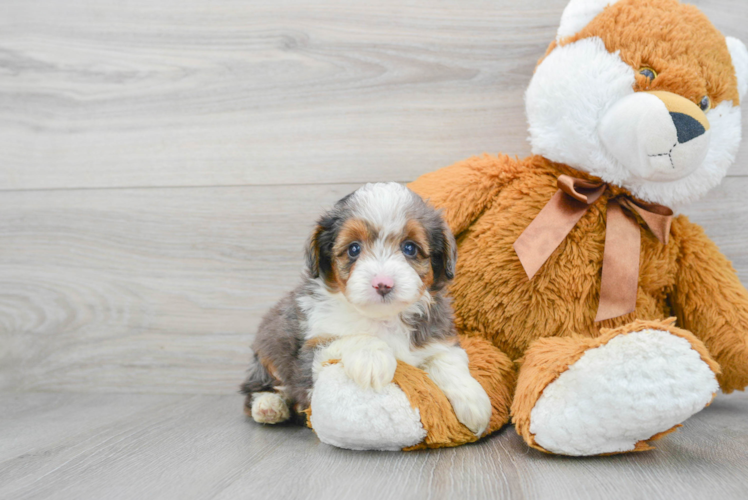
{"type": "Point", "coordinates": [620, 273]}
{"type": "Point", "coordinates": [580, 189]}
{"type": "Point", "coordinates": [657, 217]}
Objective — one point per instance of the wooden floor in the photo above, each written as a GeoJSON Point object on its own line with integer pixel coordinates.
{"type": "Point", "coordinates": [161, 165]}
{"type": "Point", "coordinates": [184, 447]}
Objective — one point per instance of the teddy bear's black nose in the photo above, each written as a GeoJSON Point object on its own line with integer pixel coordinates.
{"type": "Point", "coordinates": [687, 127]}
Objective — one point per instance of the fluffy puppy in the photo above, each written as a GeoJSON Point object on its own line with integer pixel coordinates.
{"type": "Point", "coordinates": [373, 293]}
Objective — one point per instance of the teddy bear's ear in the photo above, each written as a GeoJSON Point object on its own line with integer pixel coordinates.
{"type": "Point", "coordinates": [739, 55]}
{"type": "Point", "coordinates": [578, 14]}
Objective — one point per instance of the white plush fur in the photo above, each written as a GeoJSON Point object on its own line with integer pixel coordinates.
{"type": "Point", "coordinates": [633, 387]}
{"type": "Point", "coordinates": [346, 416]}
{"type": "Point", "coordinates": [724, 141]}
{"type": "Point", "coordinates": [639, 132]}
{"type": "Point", "coordinates": [578, 14]}
{"type": "Point", "coordinates": [739, 55]}
{"type": "Point", "coordinates": [566, 99]}
{"type": "Point", "coordinates": [573, 89]}
{"type": "Point", "coordinates": [269, 408]}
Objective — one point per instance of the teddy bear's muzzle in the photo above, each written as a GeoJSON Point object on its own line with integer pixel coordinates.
{"type": "Point", "coordinates": [658, 136]}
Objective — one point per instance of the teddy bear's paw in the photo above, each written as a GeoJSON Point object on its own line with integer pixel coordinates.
{"type": "Point", "coordinates": [370, 363]}
{"type": "Point", "coordinates": [621, 394]}
{"type": "Point", "coordinates": [269, 408]}
{"type": "Point", "coordinates": [471, 406]}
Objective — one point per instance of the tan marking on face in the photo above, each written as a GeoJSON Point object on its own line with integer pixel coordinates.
{"type": "Point", "coordinates": [677, 104]}
{"type": "Point", "coordinates": [415, 232]}
{"type": "Point", "coordinates": [353, 230]}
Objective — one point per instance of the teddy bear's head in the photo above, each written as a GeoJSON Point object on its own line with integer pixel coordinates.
{"type": "Point", "coordinates": [644, 94]}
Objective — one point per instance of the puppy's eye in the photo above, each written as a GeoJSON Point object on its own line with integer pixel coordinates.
{"type": "Point", "coordinates": [705, 103]}
{"type": "Point", "coordinates": [648, 73]}
{"type": "Point", "coordinates": [353, 250]}
{"type": "Point", "coordinates": [410, 249]}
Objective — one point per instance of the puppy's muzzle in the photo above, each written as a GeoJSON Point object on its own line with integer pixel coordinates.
{"type": "Point", "coordinates": [657, 136]}
{"type": "Point", "coordinates": [383, 285]}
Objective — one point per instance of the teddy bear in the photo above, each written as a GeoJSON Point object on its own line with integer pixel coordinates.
{"type": "Point", "coordinates": [595, 318]}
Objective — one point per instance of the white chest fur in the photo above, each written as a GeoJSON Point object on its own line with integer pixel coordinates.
{"type": "Point", "coordinates": [330, 314]}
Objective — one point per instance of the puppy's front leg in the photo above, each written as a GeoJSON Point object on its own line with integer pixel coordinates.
{"type": "Point", "coordinates": [367, 360]}
{"type": "Point", "coordinates": [449, 371]}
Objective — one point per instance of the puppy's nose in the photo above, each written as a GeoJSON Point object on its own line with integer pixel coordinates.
{"type": "Point", "coordinates": [687, 127]}
{"type": "Point", "coordinates": [383, 284]}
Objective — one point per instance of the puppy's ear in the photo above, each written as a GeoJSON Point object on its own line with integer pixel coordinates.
{"type": "Point", "coordinates": [319, 248]}
{"type": "Point", "coordinates": [443, 255]}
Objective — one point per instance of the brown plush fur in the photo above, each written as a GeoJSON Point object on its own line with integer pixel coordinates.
{"type": "Point", "coordinates": [547, 323]}
{"type": "Point", "coordinates": [671, 38]}
{"type": "Point", "coordinates": [550, 357]}
{"type": "Point", "coordinates": [488, 201]}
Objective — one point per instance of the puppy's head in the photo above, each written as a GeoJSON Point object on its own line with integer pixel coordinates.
{"type": "Point", "coordinates": [383, 248]}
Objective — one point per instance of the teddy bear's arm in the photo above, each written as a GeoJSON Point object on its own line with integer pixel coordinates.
{"type": "Point", "coordinates": [710, 301]}
{"type": "Point", "coordinates": [464, 190]}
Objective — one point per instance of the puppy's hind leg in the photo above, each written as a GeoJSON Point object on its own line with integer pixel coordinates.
{"type": "Point", "coordinates": [263, 403]}
{"type": "Point", "coordinates": [269, 408]}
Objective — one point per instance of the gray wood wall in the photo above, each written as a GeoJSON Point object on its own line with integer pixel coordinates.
{"type": "Point", "coordinates": [162, 162]}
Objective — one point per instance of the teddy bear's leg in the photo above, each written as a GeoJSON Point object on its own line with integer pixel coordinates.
{"type": "Point", "coordinates": [347, 416]}
{"type": "Point", "coordinates": [354, 405]}
{"type": "Point", "coordinates": [410, 412]}
{"type": "Point", "coordinates": [611, 394]}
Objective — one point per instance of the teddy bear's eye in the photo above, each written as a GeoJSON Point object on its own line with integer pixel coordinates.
{"type": "Point", "coordinates": [648, 73]}
{"type": "Point", "coordinates": [705, 103]}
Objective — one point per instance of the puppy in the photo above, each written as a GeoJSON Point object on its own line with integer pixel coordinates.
{"type": "Point", "coordinates": [373, 293]}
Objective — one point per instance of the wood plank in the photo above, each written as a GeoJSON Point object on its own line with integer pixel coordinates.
{"type": "Point", "coordinates": [30, 421]}
{"type": "Point", "coordinates": [230, 92]}
{"type": "Point", "coordinates": [160, 290]}
{"type": "Point", "coordinates": [149, 289]}
{"type": "Point", "coordinates": [723, 214]}
{"type": "Point", "coordinates": [202, 447]}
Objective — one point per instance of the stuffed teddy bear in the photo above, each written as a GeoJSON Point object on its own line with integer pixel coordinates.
{"type": "Point", "coordinates": [573, 272]}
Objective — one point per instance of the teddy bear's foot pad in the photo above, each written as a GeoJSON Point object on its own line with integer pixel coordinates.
{"type": "Point", "coordinates": [346, 416]}
{"type": "Point", "coordinates": [624, 392]}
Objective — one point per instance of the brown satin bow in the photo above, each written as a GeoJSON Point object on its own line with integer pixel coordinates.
{"type": "Point", "coordinates": [620, 278]}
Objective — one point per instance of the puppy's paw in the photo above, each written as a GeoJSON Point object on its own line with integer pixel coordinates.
{"type": "Point", "coordinates": [269, 408]}
{"type": "Point", "coordinates": [371, 364]}
{"type": "Point", "coordinates": [472, 406]}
